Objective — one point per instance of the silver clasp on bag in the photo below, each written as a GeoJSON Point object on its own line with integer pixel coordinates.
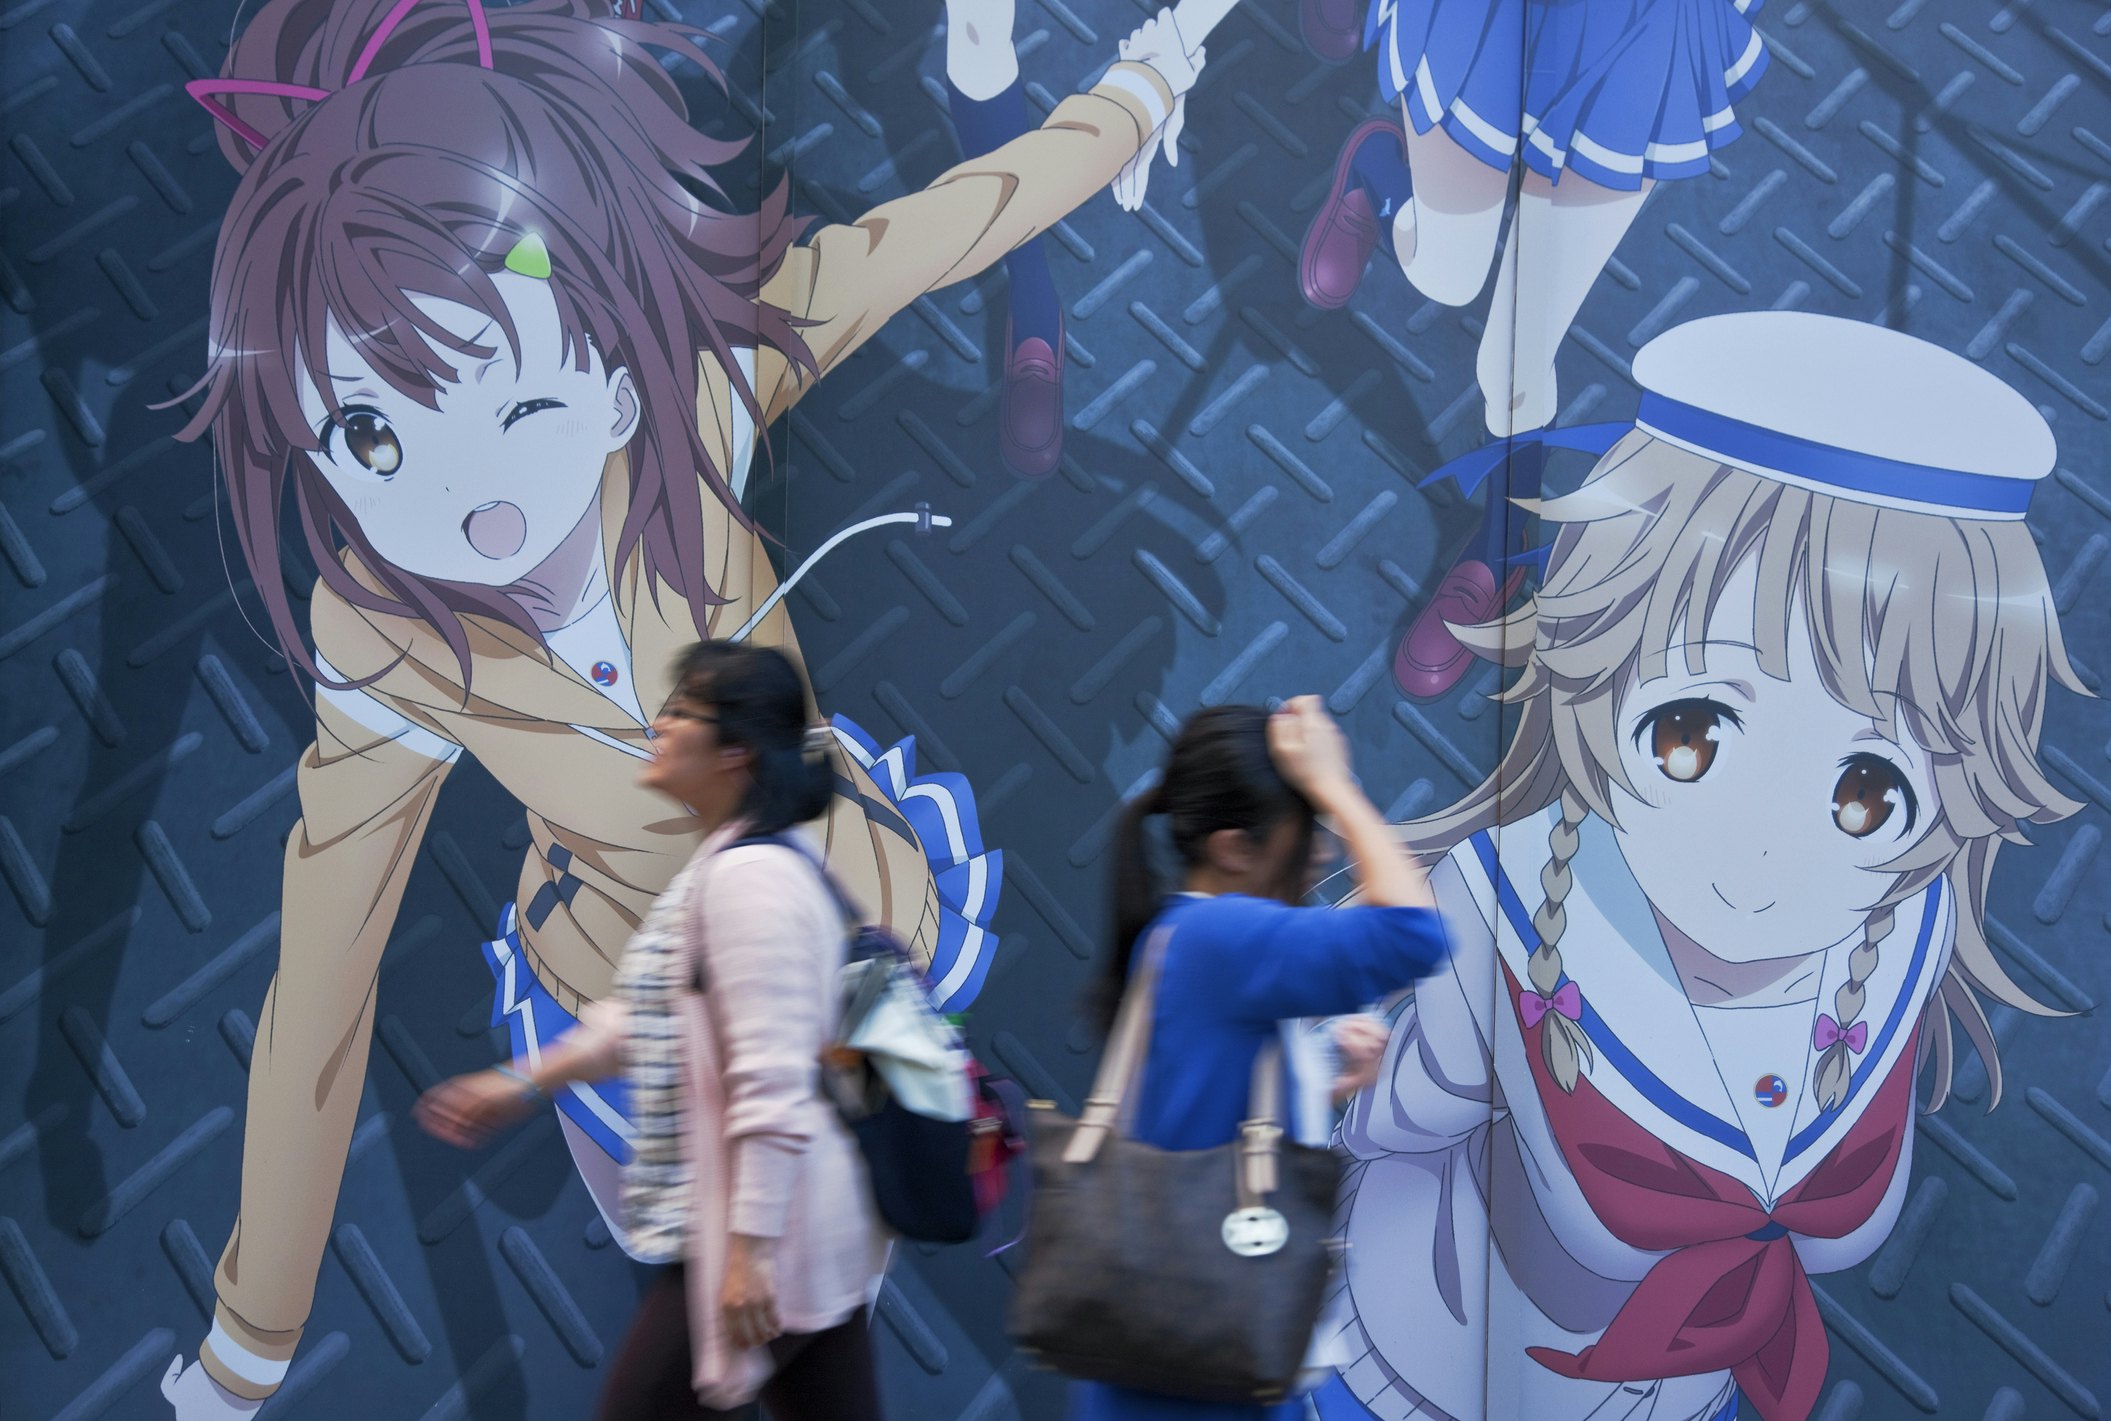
{"type": "Point", "coordinates": [1255, 1233]}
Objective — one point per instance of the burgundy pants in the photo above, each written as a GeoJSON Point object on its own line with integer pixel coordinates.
{"type": "Point", "coordinates": [820, 1376]}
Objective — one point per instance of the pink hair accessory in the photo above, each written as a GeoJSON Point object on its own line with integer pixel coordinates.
{"type": "Point", "coordinates": [1567, 1001]}
{"type": "Point", "coordinates": [477, 20]}
{"type": "Point", "coordinates": [204, 90]}
{"type": "Point", "coordinates": [1828, 1031]}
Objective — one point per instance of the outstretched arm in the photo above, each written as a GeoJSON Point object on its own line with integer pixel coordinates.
{"type": "Point", "coordinates": [851, 277]}
{"type": "Point", "coordinates": [367, 792]}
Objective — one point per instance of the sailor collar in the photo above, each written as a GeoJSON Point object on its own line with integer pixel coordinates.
{"type": "Point", "coordinates": [1649, 1056]}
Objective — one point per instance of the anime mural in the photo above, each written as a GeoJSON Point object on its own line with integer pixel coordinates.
{"type": "Point", "coordinates": [1672, 436]}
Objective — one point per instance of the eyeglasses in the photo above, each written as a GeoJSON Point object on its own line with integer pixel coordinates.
{"type": "Point", "coordinates": [671, 711]}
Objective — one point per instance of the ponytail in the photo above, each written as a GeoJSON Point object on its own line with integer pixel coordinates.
{"type": "Point", "coordinates": [1138, 895]}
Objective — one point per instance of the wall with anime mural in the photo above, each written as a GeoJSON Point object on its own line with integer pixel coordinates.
{"type": "Point", "coordinates": [1670, 435]}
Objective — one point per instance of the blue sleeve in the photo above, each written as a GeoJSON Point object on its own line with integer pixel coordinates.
{"type": "Point", "coordinates": [1264, 962]}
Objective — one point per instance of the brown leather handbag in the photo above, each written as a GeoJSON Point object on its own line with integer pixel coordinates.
{"type": "Point", "coordinates": [1194, 1273]}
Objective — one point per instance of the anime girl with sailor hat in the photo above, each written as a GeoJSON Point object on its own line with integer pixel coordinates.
{"type": "Point", "coordinates": [1778, 711]}
{"type": "Point", "coordinates": [481, 301]}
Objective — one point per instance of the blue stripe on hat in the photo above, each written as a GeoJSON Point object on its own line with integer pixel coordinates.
{"type": "Point", "coordinates": [1873, 476]}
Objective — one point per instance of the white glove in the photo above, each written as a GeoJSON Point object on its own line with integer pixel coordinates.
{"type": "Point", "coordinates": [197, 1397]}
{"type": "Point", "coordinates": [1157, 42]}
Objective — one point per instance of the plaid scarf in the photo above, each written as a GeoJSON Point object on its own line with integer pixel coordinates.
{"type": "Point", "coordinates": [650, 980]}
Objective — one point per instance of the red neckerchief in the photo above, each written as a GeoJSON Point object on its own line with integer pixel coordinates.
{"type": "Point", "coordinates": [1731, 1292]}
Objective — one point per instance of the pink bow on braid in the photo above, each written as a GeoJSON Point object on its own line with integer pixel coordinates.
{"type": "Point", "coordinates": [1828, 1031]}
{"type": "Point", "coordinates": [204, 90]}
{"type": "Point", "coordinates": [1567, 1001]}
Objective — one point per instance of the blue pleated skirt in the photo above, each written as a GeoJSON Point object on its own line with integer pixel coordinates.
{"type": "Point", "coordinates": [1614, 91]}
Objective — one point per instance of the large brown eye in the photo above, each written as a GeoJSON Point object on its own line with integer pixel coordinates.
{"type": "Point", "coordinates": [370, 440]}
{"type": "Point", "coordinates": [1684, 736]}
{"type": "Point", "coordinates": [1869, 789]}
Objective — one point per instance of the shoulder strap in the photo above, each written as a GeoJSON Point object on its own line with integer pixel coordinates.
{"type": "Point", "coordinates": [1127, 1045]}
{"type": "Point", "coordinates": [850, 911]}
{"type": "Point", "coordinates": [851, 916]}
{"type": "Point", "coordinates": [1260, 1134]}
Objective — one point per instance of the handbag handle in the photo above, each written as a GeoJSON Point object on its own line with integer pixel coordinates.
{"type": "Point", "coordinates": [1126, 1045]}
{"type": "Point", "coordinates": [1260, 1134]}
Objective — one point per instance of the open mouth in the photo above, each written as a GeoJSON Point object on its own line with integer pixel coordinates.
{"type": "Point", "coordinates": [497, 529]}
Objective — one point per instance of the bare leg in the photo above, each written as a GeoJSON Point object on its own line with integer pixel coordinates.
{"type": "Point", "coordinates": [1445, 236]}
{"type": "Point", "coordinates": [1560, 240]}
{"type": "Point", "coordinates": [980, 60]}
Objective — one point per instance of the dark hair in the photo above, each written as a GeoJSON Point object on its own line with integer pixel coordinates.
{"type": "Point", "coordinates": [1219, 776]}
{"type": "Point", "coordinates": [760, 702]}
{"type": "Point", "coordinates": [420, 178]}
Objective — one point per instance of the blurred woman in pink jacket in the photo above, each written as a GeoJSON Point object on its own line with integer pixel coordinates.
{"type": "Point", "coordinates": [743, 1180]}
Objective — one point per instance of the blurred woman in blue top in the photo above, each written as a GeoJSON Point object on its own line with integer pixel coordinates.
{"type": "Point", "coordinates": [1240, 798]}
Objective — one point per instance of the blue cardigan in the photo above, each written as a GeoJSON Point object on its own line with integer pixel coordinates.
{"type": "Point", "coordinates": [1236, 966]}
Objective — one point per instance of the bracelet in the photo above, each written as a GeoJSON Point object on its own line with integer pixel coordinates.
{"type": "Point", "coordinates": [535, 1091]}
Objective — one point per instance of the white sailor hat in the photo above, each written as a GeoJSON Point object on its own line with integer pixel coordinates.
{"type": "Point", "coordinates": [1845, 408]}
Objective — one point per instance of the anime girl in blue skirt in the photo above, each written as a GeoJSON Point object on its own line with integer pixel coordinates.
{"type": "Point", "coordinates": [1597, 101]}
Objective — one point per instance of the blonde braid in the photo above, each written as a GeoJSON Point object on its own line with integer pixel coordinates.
{"type": "Point", "coordinates": [1835, 1068]}
{"type": "Point", "coordinates": [1566, 1049]}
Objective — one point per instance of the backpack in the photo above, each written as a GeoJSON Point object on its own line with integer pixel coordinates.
{"type": "Point", "coordinates": [937, 1131]}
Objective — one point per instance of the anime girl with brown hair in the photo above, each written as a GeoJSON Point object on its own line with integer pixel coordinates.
{"type": "Point", "coordinates": [1718, 904]}
{"type": "Point", "coordinates": [482, 300]}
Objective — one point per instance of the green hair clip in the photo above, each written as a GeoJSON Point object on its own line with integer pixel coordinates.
{"type": "Point", "coordinates": [529, 257]}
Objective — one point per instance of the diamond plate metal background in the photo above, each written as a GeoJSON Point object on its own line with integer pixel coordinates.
{"type": "Point", "coordinates": [1236, 518]}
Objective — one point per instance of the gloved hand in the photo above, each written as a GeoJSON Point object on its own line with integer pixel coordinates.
{"type": "Point", "coordinates": [1158, 43]}
{"type": "Point", "coordinates": [197, 1397]}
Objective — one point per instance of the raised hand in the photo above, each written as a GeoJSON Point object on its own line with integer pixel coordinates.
{"type": "Point", "coordinates": [1308, 748]}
